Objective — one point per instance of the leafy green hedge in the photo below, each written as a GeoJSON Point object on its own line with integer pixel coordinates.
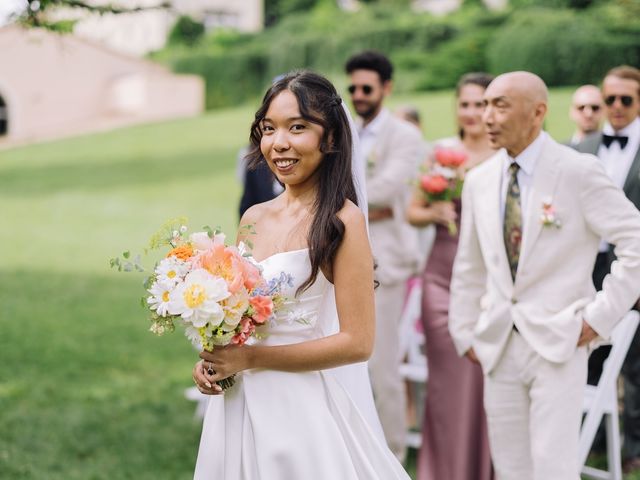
{"type": "Point", "coordinates": [230, 78]}
{"type": "Point", "coordinates": [238, 67]}
{"type": "Point", "coordinates": [562, 46]}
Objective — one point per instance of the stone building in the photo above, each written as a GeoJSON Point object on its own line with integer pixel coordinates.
{"type": "Point", "coordinates": [55, 85]}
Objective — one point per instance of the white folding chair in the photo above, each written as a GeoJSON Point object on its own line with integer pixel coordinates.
{"type": "Point", "coordinates": [601, 401]}
{"type": "Point", "coordinates": [414, 364]}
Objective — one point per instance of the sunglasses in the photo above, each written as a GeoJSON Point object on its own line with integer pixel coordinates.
{"type": "Point", "coordinates": [366, 89]}
{"type": "Point", "coordinates": [594, 108]}
{"type": "Point", "coordinates": [626, 100]}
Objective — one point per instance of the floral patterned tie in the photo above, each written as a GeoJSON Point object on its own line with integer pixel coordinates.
{"type": "Point", "coordinates": [512, 229]}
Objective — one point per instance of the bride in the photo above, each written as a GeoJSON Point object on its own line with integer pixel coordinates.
{"type": "Point", "coordinates": [301, 406]}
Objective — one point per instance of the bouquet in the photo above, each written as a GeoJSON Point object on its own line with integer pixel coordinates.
{"type": "Point", "coordinates": [442, 181]}
{"type": "Point", "coordinates": [215, 291]}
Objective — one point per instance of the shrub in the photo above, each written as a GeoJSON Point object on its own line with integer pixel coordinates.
{"type": "Point", "coordinates": [446, 65]}
{"type": "Point", "coordinates": [230, 78]}
{"type": "Point", "coordinates": [562, 46]}
{"type": "Point", "coordinates": [186, 31]}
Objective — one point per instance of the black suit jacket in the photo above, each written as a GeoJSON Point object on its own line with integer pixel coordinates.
{"type": "Point", "coordinates": [258, 187]}
{"type": "Point", "coordinates": [631, 187]}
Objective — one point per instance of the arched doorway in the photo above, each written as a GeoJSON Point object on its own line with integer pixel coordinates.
{"type": "Point", "coordinates": [4, 117]}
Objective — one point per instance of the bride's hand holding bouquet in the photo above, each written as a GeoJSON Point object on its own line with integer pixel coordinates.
{"type": "Point", "coordinates": [215, 291]}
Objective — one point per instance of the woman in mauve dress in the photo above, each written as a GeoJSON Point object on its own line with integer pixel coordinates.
{"type": "Point", "coordinates": [455, 443]}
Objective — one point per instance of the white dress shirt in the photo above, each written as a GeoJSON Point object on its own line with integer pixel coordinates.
{"type": "Point", "coordinates": [617, 161]}
{"type": "Point", "coordinates": [369, 134]}
{"type": "Point", "coordinates": [527, 161]}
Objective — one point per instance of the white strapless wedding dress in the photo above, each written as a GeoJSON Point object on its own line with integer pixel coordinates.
{"type": "Point", "coordinates": [318, 425]}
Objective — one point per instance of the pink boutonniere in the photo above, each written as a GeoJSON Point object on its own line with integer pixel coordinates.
{"type": "Point", "coordinates": [548, 216]}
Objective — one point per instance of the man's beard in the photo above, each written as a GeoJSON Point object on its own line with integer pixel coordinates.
{"type": "Point", "coordinates": [369, 111]}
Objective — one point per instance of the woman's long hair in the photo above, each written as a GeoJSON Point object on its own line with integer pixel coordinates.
{"type": "Point", "coordinates": [319, 103]}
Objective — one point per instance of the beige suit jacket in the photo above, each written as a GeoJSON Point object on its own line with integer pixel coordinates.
{"type": "Point", "coordinates": [553, 291]}
{"type": "Point", "coordinates": [391, 167]}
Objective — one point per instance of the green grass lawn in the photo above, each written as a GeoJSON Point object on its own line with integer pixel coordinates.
{"type": "Point", "coordinates": [86, 392]}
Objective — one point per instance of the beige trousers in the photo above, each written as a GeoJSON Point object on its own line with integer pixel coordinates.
{"type": "Point", "coordinates": [388, 386]}
{"type": "Point", "coordinates": [534, 410]}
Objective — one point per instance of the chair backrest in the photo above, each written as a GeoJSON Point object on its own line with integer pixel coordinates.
{"type": "Point", "coordinates": [414, 362]}
{"type": "Point", "coordinates": [621, 339]}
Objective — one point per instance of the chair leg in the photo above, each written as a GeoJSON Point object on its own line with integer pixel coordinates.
{"type": "Point", "coordinates": [588, 432]}
{"type": "Point", "coordinates": [614, 459]}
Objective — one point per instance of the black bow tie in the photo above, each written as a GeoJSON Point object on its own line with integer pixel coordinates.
{"type": "Point", "coordinates": [609, 139]}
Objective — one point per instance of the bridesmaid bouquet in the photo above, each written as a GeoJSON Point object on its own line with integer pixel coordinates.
{"type": "Point", "coordinates": [443, 179]}
{"type": "Point", "coordinates": [217, 292]}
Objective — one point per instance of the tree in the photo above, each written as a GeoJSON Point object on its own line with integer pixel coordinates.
{"type": "Point", "coordinates": [274, 10]}
{"type": "Point", "coordinates": [37, 13]}
{"type": "Point", "coordinates": [186, 31]}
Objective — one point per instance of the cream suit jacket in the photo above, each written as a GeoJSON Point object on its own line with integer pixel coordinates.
{"type": "Point", "coordinates": [552, 292]}
{"type": "Point", "coordinates": [391, 167]}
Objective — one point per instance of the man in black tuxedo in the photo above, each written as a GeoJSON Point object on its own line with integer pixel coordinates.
{"type": "Point", "coordinates": [618, 147]}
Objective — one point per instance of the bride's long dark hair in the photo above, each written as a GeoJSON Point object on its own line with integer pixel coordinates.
{"type": "Point", "coordinates": [319, 103]}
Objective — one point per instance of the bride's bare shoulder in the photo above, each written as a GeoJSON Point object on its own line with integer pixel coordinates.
{"type": "Point", "coordinates": [255, 215]}
{"type": "Point", "coordinates": [352, 217]}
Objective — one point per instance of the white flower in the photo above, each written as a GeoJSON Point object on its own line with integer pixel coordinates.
{"type": "Point", "coordinates": [183, 228]}
{"type": "Point", "coordinates": [157, 328]}
{"type": "Point", "coordinates": [197, 299]}
{"type": "Point", "coordinates": [193, 334]}
{"type": "Point", "coordinates": [159, 299]}
{"type": "Point", "coordinates": [234, 307]}
{"type": "Point", "coordinates": [171, 270]}
{"type": "Point", "coordinates": [446, 172]}
{"type": "Point", "coordinates": [201, 241]}
{"type": "Point", "coordinates": [219, 238]}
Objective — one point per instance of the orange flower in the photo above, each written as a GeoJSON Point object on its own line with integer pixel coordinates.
{"type": "Point", "coordinates": [263, 308]}
{"type": "Point", "coordinates": [222, 262]}
{"type": "Point", "coordinates": [183, 252]}
{"type": "Point", "coordinates": [251, 274]}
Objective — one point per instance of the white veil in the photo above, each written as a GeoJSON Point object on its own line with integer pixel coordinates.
{"type": "Point", "coordinates": [357, 165]}
{"type": "Point", "coordinates": [354, 377]}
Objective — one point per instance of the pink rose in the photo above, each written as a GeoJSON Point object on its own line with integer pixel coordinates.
{"type": "Point", "coordinates": [450, 158]}
{"type": "Point", "coordinates": [263, 308]}
{"type": "Point", "coordinates": [246, 330]}
{"type": "Point", "coordinates": [434, 184]}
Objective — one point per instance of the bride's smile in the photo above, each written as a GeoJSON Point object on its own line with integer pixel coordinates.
{"type": "Point", "coordinates": [290, 143]}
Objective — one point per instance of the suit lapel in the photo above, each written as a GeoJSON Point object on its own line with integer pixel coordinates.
{"type": "Point", "coordinates": [545, 176]}
{"type": "Point", "coordinates": [633, 175]}
{"type": "Point", "coordinates": [490, 212]}
{"type": "Point", "coordinates": [591, 144]}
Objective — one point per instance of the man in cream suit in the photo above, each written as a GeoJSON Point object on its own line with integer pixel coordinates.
{"type": "Point", "coordinates": [522, 300]}
{"type": "Point", "coordinates": [391, 151]}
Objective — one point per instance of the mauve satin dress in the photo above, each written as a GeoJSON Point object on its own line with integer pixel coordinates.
{"type": "Point", "coordinates": [455, 442]}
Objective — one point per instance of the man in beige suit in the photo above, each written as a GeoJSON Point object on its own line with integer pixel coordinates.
{"type": "Point", "coordinates": [522, 300]}
{"type": "Point", "coordinates": [391, 151]}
